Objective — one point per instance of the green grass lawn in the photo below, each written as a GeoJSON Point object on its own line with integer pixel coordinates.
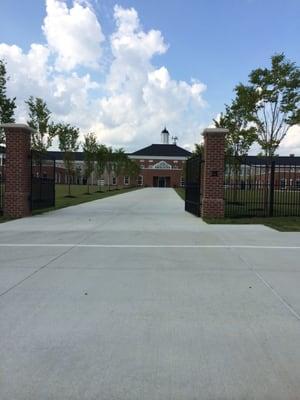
{"type": "Point", "coordinates": [249, 203]}
{"type": "Point", "coordinates": [80, 196]}
{"type": "Point", "coordinates": [283, 224]}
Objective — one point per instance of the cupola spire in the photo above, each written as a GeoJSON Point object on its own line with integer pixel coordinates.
{"type": "Point", "coordinates": [165, 136]}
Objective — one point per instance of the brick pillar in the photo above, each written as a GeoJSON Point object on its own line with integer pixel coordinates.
{"type": "Point", "coordinates": [213, 174]}
{"type": "Point", "coordinates": [17, 171]}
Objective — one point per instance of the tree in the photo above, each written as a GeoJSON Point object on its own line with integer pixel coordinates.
{"type": "Point", "coordinates": [68, 137]}
{"type": "Point", "coordinates": [101, 157]}
{"type": "Point", "coordinates": [132, 168]}
{"type": "Point", "coordinates": [39, 120]}
{"type": "Point", "coordinates": [89, 150]}
{"type": "Point", "coordinates": [7, 105]}
{"type": "Point", "coordinates": [271, 101]}
{"type": "Point", "coordinates": [109, 163]}
{"type": "Point", "coordinates": [238, 140]}
{"type": "Point", "coordinates": [199, 149]}
{"type": "Point", "coordinates": [241, 135]}
{"type": "Point", "coordinates": [119, 160]}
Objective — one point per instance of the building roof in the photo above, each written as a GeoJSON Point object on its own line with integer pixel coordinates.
{"type": "Point", "coordinates": [163, 150]}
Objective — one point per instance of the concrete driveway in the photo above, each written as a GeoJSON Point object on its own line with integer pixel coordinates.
{"type": "Point", "coordinates": [131, 298]}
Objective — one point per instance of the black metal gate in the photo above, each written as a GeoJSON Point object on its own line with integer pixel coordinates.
{"type": "Point", "coordinates": [42, 181]}
{"type": "Point", "coordinates": [193, 200]}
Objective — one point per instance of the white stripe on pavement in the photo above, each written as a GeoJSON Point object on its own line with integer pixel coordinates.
{"type": "Point", "coordinates": [150, 246]}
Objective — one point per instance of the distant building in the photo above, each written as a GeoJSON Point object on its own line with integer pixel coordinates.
{"type": "Point", "coordinates": [162, 165]}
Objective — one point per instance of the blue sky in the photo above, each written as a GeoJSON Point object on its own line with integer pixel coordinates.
{"type": "Point", "coordinates": [216, 42]}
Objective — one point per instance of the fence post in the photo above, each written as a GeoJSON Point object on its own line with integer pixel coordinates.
{"type": "Point", "coordinates": [214, 167]}
{"type": "Point", "coordinates": [17, 170]}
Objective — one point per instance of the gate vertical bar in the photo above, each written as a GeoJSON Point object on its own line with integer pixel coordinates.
{"type": "Point", "coordinates": [271, 189]}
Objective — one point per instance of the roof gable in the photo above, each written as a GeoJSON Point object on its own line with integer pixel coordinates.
{"type": "Point", "coordinates": [167, 150]}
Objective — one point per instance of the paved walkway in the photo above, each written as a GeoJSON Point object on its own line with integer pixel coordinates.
{"type": "Point", "coordinates": [131, 298]}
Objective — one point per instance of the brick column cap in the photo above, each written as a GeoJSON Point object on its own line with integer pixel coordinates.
{"type": "Point", "coordinates": [17, 126]}
{"type": "Point", "coordinates": [214, 132]}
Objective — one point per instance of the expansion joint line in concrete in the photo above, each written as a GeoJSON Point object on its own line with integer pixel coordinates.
{"type": "Point", "coordinates": [288, 306]}
{"type": "Point", "coordinates": [34, 272]}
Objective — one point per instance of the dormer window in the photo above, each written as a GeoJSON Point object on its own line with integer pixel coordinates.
{"type": "Point", "coordinates": [162, 165]}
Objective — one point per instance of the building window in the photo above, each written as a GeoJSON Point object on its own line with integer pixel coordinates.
{"type": "Point", "coordinates": [114, 180]}
{"type": "Point", "coordinates": [182, 181]}
{"type": "Point", "coordinates": [142, 166]}
{"type": "Point", "coordinates": [126, 180]}
{"type": "Point", "coordinates": [162, 165]}
{"type": "Point", "coordinates": [140, 180]}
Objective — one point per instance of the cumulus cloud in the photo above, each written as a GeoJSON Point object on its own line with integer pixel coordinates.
{"type": "Point", "coordinates": [129, 103]}
{"type": "Point", "coordinates": [73, 34]}
{"type": "Point", "coordinates": [140, 98]}
{"type": "Point", "coordinates": [291, 142]}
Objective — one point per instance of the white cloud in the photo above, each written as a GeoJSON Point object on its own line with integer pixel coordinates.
{"type": "Point", "coordinates": [74, 34]}
{"type": "Point", "coordinates": [291, 142]}
{"type": "Point", "coordinates": [129, 104]}
{"type": "Point", "coordinates": [28, 69]}
{"type": "Point", "coordinates": [141, 98]}
{"type": "Point", "coordinates": [31, 74]}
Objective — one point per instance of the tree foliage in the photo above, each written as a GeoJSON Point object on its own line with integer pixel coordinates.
{"type": "Point", "coordinates": [119, 162]}
{"type": "Point", "coordinates": [241, 135]}
{"type": "Point", "coordinates": [7, 105]}
{"type": "Point", "coordinates": [271, 101]}
{"type": "Point", "coordinates": [100, 160]}
{"type": "Point", "coordinates": [90, 151]}
{"type": "Point", "coordinates": [132, 168]}
{"type": "Point", "coordinates": [199, 149]}
{"type": "Point", "coordinates": [68, 143]}
{"type": "Point", "coordinates": [39, 120]}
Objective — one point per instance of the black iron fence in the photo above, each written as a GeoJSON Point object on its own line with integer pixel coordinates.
{"type": "Point", "coordinates": [42, 180]}
{"type": "Point", "coordinates": [262, 186]}
{"type": "Point", "coordinates": [194, 167]}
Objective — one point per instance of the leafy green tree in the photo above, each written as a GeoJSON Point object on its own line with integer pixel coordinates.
{"type": "Point", "coordinates": [101, 157]}
{"type": "Point", "coordinates": [68, 143]}
{"type": "Point", "coordinates": [271, 101]}
{"type": "Point", "coordinates": [89, 150]}
{"type": "Point", "coordinates": [39, 120]}
{"type": "Point", "coordinates": [238, 140]}
{"type": "Point", "coordinates": [7, 105]}
{"type": "Point", "coordinates": [109, 163]}
{"type": "Point", "coordinates": [241, 135]}
{"type": "Point", "coordinates": [199, 149]}
{"type": "Point", "coordinates": [132, 169]}
{"type": "Point", "coordinates": [120, 159]}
